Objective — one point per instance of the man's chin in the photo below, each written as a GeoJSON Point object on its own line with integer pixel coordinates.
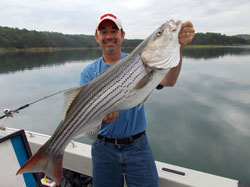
{"type": "Point", "coordinates": [111, 50]}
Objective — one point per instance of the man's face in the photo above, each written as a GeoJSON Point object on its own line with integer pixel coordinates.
{"type": "Point", "coordinates": [109, 37]}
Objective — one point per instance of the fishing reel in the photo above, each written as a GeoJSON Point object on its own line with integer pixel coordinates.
{"type": "Point", "coordinates": [8, 112]}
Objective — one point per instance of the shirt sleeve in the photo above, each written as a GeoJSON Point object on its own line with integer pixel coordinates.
{"type": "Point", "coordinates": [85, 76]}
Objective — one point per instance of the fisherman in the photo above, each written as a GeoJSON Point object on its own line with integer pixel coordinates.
{"type": "Point", "coordinates": [121, 150]}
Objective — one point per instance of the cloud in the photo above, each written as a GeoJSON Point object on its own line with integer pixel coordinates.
{"type": "Point", "coordinates": [139, 17]}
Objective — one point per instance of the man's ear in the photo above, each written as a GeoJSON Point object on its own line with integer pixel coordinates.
{"type": "Point", "coordinates": [96, 37]}
{"type": "Point", "coordinates": [123, 35]}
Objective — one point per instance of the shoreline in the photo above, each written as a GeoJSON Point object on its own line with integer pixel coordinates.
{"type": "Point", "coordinates": [53, 49]}
{"type": "Point", "coordinates": [40, 49]}
{"type": "Point", "coordinates": [47, 49]}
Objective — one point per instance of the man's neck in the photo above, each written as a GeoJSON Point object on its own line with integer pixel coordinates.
{"type": "Point", "coordinates": [111, 59]}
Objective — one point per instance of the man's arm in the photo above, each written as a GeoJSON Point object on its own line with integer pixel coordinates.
{"type": "Point", "coordinates": [185, 37]}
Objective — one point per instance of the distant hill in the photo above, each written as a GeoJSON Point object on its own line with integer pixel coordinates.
{"type": "Point", "coordinates": [217, 39]}
{"type": "Point", "coordinates": [244, 36]}
{"type": "Point", "coordinates": [23, 38]}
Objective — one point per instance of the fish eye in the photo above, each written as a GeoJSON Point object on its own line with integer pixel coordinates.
{"type": "Point", "coordinates": [159, 33]}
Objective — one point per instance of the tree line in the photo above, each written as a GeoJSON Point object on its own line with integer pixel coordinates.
{"type": "Point", "coordinates": [23, 38]}
{"type": "Point", "coordinates": [218, 39]}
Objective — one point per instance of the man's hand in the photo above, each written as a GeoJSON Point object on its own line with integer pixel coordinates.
{"type": "Point", "coordinates": [186, 34]}
{"type": "Point", "coordinates": [111, 117]}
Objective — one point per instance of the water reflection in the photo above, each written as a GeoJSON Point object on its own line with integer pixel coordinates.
{"type": "Point", "coordinates": [202, 123]}
{"type": "Point", "coordinates": [215, 52]}
{"type": "Point", "coordinates": [22, 61]}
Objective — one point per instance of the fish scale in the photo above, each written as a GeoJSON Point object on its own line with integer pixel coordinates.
{"type": "Point", "coordinates": [123, 85]}
{"type": "Point", "coordinates": [71, 128]}
{"type": "Point", "coordinates": [87, 107]}
{"type": "Point", "coordinates": [134, 71]}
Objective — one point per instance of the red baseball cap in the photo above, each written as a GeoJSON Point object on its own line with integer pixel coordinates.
{"type": "Point", "coordinates": [110, 17]}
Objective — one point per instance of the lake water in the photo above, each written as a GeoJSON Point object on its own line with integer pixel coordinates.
{"type": "Point", "coordinates": [202, 123]}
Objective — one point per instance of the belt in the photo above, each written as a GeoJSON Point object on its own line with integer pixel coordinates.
{"type": "Point", "coordinates": [127, 140]}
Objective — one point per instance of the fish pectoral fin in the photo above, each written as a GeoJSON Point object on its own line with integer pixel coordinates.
{"type": "Point", "coordinates": [69, 97]}
{"type": "Point", "coordinates": [144, 81]}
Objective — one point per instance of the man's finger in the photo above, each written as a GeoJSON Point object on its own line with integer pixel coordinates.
{"type": "Point", "coordinates": [186, 34]}
{"type": "Point", "coordinates": [111, 117]}
{"type": "Point", "coordinates": [187, 24]}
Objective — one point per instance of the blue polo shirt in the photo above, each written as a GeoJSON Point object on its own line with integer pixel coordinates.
{"type": "Point", "coordinates": [129, 122]}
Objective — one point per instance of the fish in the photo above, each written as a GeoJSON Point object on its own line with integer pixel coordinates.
{"type": "Point", "coordinates": [123, 85]}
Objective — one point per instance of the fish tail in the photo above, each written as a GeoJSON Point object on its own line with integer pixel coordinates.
{"type": "Point", "coordinates": [42, 161]}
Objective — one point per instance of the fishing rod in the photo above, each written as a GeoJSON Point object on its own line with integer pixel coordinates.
{"type": "Point", "coordinates": [10, 113]}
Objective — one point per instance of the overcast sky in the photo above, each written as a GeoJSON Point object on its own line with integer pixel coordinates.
{"type": "Point", "coordinates": [139, 17]}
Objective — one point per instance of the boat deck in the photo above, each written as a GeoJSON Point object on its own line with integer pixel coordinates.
{"type": "Point", "coordinates": [77, 158]}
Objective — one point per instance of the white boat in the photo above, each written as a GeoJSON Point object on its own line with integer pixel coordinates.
{"type": "Point", "coordinates": [77, 158]}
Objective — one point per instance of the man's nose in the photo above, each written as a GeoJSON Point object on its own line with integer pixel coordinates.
{"type": "Point", "coordinates": [109, 35]}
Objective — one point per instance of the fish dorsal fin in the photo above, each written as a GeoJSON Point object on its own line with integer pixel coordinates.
{"type": "Point", "coordinates": [69, 97]}
{"type": "Point", "coordinates": [143, 82]}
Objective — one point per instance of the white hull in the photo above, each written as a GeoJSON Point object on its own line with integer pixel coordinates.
{"type": "Point", "coordinates": [77, 158]}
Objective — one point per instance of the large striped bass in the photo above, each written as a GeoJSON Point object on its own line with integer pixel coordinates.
{"type": "Point", "coordinates": [123, 85]}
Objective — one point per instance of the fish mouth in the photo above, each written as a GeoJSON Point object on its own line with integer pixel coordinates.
{"type": "Point", "coordinates": [173, 26]}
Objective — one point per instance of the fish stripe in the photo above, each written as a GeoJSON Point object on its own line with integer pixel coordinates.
{"type": "Point", "coordinates": [112, 90]}
{"type": "Point", "coordinates": [70, 130]}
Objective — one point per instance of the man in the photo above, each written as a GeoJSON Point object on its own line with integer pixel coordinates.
{"type": "Point", "coordinates": [121, 149]}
